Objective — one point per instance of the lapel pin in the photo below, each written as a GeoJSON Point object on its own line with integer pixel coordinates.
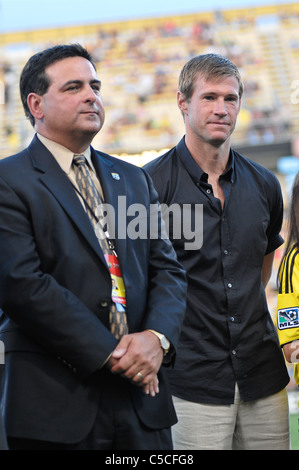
{"type": "Point", "coordinates": [115, 176]}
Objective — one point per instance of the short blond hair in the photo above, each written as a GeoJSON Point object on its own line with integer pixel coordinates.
{"type": "Point", "coordinates": [208, 66]}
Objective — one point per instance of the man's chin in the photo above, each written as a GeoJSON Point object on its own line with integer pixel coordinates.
{"type": "Point", "coordinates": [92, 129]}
{"type": "Point", "coordinates": [218, 142]}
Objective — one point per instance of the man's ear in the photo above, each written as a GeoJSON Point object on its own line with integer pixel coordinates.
{"type": "Point", "coordinates": [34, 102]}
{"type": "Point", "coordinates": [181, 102]}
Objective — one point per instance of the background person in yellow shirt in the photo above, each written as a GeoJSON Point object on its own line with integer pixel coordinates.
{"type": "Point", "coordinates": [288, 296]}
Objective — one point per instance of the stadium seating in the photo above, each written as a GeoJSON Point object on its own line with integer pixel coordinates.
{"type": "Point", "coordinates": [139, 62]}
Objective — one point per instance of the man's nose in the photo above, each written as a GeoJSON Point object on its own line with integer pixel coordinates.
{"type": "Point", "coordinates": [220, 107]}
{"type": "Point", "coordinates": [89, 94]}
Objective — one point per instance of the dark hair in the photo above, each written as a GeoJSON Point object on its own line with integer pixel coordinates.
{"type": "Point", "coordinates": [293, 221]}
{"type": "Point", "coordinates": [209, 66]}
{"type": "Point", "coordinates": [34, 78]}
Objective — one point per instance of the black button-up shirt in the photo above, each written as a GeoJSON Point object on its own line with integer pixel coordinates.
{"type": "Point", "coordinates": [228, 334]}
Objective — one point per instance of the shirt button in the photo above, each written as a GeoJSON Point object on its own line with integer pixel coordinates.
{"type": "Point", "coordinates": [234, 352]}
{"type": "Point", "coordinates": [229, 285]}
{"type": "Point", "coordinates": [208, 191]}
{"type": "Point", "coordinates": [225, 252]}
{"type": "Point", "coordinates": [104, 303]}
{"type": "Point", "coordinates": [232, 318]}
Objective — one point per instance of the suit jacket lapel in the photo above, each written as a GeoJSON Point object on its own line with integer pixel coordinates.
{"type": "Point", "coordinates": [114, 188]}
{"type": "Point", "coordinates": [60, 186]}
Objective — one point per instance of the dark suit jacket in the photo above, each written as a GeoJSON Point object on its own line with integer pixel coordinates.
{"type": "Point", "coordinates": [3, 442]}
{"type": "Point", "coordinates": [55, 293]}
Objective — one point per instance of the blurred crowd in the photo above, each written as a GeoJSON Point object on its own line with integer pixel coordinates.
{"type": "Point", "coordinates": [140, 62]}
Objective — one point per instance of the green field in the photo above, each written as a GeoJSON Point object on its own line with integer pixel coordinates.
{"type": "Point", "coordinates": [294, 430]}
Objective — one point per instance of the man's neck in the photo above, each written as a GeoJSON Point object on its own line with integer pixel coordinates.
{"type": "Point", "coordinates": [212, 159]}
{"type": "Point", "coordinates": [75, 145]}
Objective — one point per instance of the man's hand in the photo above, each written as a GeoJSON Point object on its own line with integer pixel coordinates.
{"type": "Point", "coordinates": [138, 358]}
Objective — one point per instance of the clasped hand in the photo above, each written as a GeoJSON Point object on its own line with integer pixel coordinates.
{"type": "Point", "coordinates": [138, 358]}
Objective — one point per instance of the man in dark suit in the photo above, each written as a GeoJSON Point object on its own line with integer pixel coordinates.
{"type": "Point", "coordinates": [3, 442]}
{"type": "Point", "coordinates": [69, 381]}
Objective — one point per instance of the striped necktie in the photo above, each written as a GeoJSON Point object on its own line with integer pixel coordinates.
{"type": "Point", "coordinates": [92, 200]}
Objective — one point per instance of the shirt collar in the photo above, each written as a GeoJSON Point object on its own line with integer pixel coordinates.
{"type": "Point", "coordinates": [195, 170]}
{"type": "Point", "coordinates": [62, 155]}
